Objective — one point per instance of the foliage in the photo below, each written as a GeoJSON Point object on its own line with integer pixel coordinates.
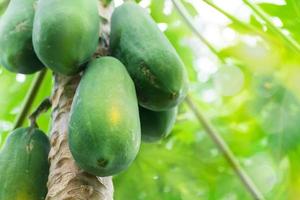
{"type": "Point", "coordinates": [3, 6]}
{"type": "Point", "coordinates": [252, 100]}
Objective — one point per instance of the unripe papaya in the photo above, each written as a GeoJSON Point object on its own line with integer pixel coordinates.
{"type": "Point", "coordinates": [65, 33]}
{"type": "Point", "coordinates": [156, 125]}
{"type": "Point", "coordinates": [24, 166]}
{"type": "Point", "coordinates": [154, 65]}
{"type": "Point", "coordinates": [104, 127]}
{"type": "Point", "coordinates": [16, 50]}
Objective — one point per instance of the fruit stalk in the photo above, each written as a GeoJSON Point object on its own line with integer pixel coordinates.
{"type": "Point", "coordinates": [43, 107]}
{"type": "Point", "coordinates": [31, 95]}
{"type": "Point", "coordinates": [66, 179]}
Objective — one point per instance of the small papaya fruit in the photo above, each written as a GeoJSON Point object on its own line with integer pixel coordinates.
{"type": "Point", "coordinates": [104, 126]}
{"type": "Point", "coordinates": [16, 50]}
{"type": "Point", "coordinates": [156, 125]}
{"type": "Point", "coordinates": [65, 33]}
{"type": "Point", "coordinates": [24, 166]}
{"type": "Point", "coordinates": [154, 65]}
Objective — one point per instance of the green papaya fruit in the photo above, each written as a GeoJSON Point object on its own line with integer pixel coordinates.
{"type": "Point", "coordinates": [104, 127]}
{"type": "Point", "coordinates": [24, 166]}
{"type": "Point", "coordinates": [16, 50]}
{"type": "Point", "coordinates": [65, 33]}
{"type": "Point", "coordinates": [156, 125]}
{"type": "Point", "coordinates": [154, 65]}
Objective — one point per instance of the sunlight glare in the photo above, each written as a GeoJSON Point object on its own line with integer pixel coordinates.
{"type": "Point", "coordinates": [229, 80]}
{"type": "Point", "coordinates": [251, 40]}
{"type": "Point", "coordinates": [145, 3]}
{"type": "Point", "coordinates": [229, 35]}
{"type": "Point", "coordinates": [162, 26]}
{"type": "Point", "coordinates": [212, 33]}
{"type": "Point", "coordinates": [286, 32]}
{"type": "Point", "coordinates": [278, 2]}
{"type": "Point", "coordinates": [168, 6]}
{"type": "Point", "coordinates": [5, 126]}
{"type": "Point", "coordinates": [205, 68]}
{"type": "Point", "coordinates": [209, 95]}
{"type": "Point", "coordinates": [118, 2]}
{"type": "Point", "coordinates": [228, 5]}
{"type": "Point", "coordinates": [21, 78]}
{"type": "Point", "coordinates": [277, 22]}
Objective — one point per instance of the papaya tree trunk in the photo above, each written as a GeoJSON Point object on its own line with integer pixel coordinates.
{"type": "Point", "coordinates": [66, 179]}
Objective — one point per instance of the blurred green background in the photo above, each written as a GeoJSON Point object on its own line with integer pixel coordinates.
{"type": "Point", "coordinates": [248, 87]}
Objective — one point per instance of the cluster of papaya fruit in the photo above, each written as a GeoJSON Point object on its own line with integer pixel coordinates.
{"type": "Point", "coordinates": [129, 96]}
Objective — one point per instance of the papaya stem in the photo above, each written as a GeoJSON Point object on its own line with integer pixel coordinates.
{"type": "Point", "coordinates": [224, 148]}
{"type": "Point", "coordinates": [31, 95]}
{"type": "Point", "coordinates": [43, 107]}
{"type": "Point", "coordinates": [246, 26]}
{"type": "Point", "coordinates": [189, 21]}
{"type": "Point", "coordinates": [293, 44]}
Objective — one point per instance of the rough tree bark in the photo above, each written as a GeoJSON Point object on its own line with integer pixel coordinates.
{"type": "Point", "coordinates": [66, 180]}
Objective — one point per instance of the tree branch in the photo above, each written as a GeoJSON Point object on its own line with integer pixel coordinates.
{"type": "Point", "coordinates": [223, 147]}
{"type": "Point", "coordinates": [32, 93]}
{"type": "Point", "coordinates": [293, 44]}
{"type": "Point", "coordinates": [248, 27]}
{"type": "Point", "coordinates": [43, 107]}
{"type": "Point", "coordinates": [189, 21]}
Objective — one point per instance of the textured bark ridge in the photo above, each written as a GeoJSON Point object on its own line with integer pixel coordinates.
{"type": "Point", "coordinates": [66, 180]}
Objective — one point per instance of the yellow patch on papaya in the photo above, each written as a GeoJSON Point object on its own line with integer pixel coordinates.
{"type": "Point", "coordinates": [107, 116]}
{"type": "Point", "coordinates": [23, 195]}
{"type": "Point", "coordinates": [115, 115]}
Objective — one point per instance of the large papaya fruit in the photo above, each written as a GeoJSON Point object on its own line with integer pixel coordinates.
{"type": "Point", "coordinates": [155, 67]}
{"type": "Point", "coordinates": [24, 167]}
{"type": "Point", "coordinates": [156, 125]}
{"type": "Point", "coordinates": [65, 33]}
{"type": "Point", "coordinates": [104, 127]}
{"type": "Point", "coordinates": [16, 51]}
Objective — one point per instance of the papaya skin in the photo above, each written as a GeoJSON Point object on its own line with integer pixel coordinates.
{"type": "Point", "coordinates": [24, 166]}
{"type": "Point", "coordinates": [16, 52]}
{"type": "Point", "coordinates": [154, 65]}
{"type": "Point", "coordinates": [156, 125]}
{"type": "Point", "coordinates": [104, 127]}
{"type": "Point", "coordinates": [65, 33]}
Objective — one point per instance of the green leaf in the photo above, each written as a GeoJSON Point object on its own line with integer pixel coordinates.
{"type": "Point", "coordinates": [3, 6]}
